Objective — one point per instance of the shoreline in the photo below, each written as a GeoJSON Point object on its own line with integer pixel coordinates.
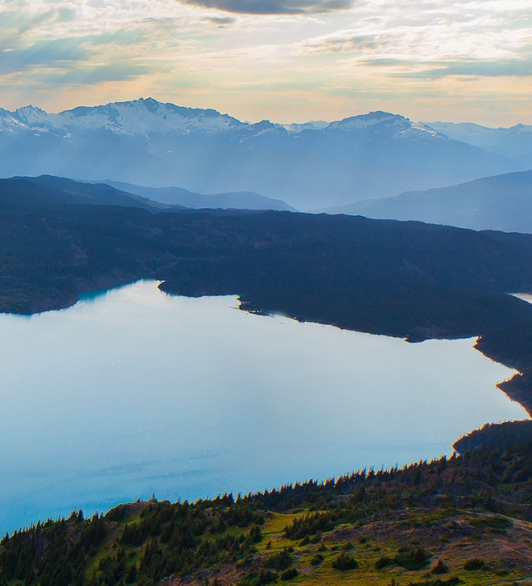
{"type": "Point", "coordinates": [518, 388]}
{"type": "Point", "coordinates": [417, 391]}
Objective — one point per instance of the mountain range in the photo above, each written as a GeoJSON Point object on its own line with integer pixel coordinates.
{"type": "Point", "coordinates": [514, 143]}
{"type": "Point", "coordinates": [311, 165]}
{"type": "Point", "coordinates": [502, 202]}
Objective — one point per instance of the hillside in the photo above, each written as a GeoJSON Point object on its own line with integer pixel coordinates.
{"type": "Point", "coordinates": [407, 280]}
{"type": "Point", "coordinates": [145, 142]}
{"type": "Point", "coordinates": [495, 435]}
{"type": "Point", "coordinates": [46, 190]}
{"type": "Point", "coordinates": [502, 202]}
{"type": "Point", "coordinates": [464, 520]}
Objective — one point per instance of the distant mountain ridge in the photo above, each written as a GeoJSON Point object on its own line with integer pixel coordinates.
{"type": "Point", "coordinates": [183, 197]}
{"type": "Point", "coordinates": [514, 142]}
{"type": "Point", "coordinates": [129, 118]}
{"type": "Point", "coordinates": [144, 116]}
{"type": "Point", "coordinates": [145, 142]}
{"type": "Point", "coordinates": [502, 202]}
{"type": "Point", "coordinates": [46, 190]}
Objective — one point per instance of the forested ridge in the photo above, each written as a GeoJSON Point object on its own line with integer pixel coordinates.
{"type": "Point", "coordinates": [459, 520]}
{"type": "Point", "coordinates": [402, 279]}
{"type": "Point", "coordinates": [496, 435]}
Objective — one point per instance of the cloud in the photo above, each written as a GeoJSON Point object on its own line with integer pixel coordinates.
{"type": "Point", "coordinates": [433, 70]}
{"type": "Point", "coordinates": [220, 21]}
{"type": "Point", "coordinates": [298, 54]}
{"type": "Point", "coordinates": [510, 68]}
{"type": "Point", "coordinates": [57, 53]}
{"type": "Point", "coordinates": [93, 75]}
{"type": "Point", "coordinates": [462, 32]}
{"type": "Point", "coordinates": [274, 6]}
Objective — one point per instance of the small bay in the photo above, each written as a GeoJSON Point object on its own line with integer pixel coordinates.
{"type": "Point", "coordinates": [133, 392]}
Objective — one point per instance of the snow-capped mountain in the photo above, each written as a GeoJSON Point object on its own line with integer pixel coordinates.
{"type": "Point", "coordinates": [311, 165]}
{"type": "Point", "coordinates": [383, 123]}
{"type": "Point", "coordinates": [137, 118]}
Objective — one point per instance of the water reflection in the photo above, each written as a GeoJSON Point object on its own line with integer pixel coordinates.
{"type": "Point", "coordinates": [133, 392]}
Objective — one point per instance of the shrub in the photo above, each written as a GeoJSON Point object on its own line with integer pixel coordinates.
{"type": "Point", "coordinates": [289, 574]}
{"type": "Point", "coordinates": [440, 568]}
{"type": "Point", "coordinates": [280, 561]}
{"type": "Point", "coordinates": [316, 538]}
{"type": "Point", "coordinates": [496, 524]}
{"type": "Point", "coordinates": [255, 534]}
{"type": "Point", "coordinates": [383, 562]}
{"type": "Point", "coordinates": [453, 581]}
{"type": "Point", "coordinates": [345, 562]}
{"type": "Point", "coordinates": [258, 578]}
{"type": "Point", "coordinates": [473, 564]}
{"type": "Point", "coordinates": [412, 559]}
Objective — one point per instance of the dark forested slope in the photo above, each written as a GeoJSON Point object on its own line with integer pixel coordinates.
{"type": "Point", "coordinates": [403, 279]}
{"type": "Point", "coordinates": [46, 190]}
{"type": "Point", "coordinates": [496, 435]}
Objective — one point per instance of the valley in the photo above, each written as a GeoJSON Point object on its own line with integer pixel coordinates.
{"type": "Point", "coordinates": [265, 293]}
{"type": "Point", "coordinates": [76, 246]}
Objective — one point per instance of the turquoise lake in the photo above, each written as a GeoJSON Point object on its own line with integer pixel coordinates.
{"type": "Point", "coordinates": [133, 392]}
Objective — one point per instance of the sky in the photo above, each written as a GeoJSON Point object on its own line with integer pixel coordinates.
{"type": "Point", "coordinates": [283, 60]}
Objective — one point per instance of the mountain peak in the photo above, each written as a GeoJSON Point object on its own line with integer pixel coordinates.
{"type": "Point", "coordinates": [145, 116]}
{"type": "Point", "coordinates": [363, 120]}
{"type": "Point", "coordinates": [384, 123]}
{"type": "Point", "coordinates": [30, 114]}
{"type": "Point", "coordinates": [29, 108]}
{"type": "Point", "coordinates": [522, 128]}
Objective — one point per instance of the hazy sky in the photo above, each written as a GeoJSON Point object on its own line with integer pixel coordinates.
{"type": "Point", "coordinates": [286, 60]}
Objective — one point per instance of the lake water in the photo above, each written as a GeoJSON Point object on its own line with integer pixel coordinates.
{"type": "Point", "coordinates": [134, 392]}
